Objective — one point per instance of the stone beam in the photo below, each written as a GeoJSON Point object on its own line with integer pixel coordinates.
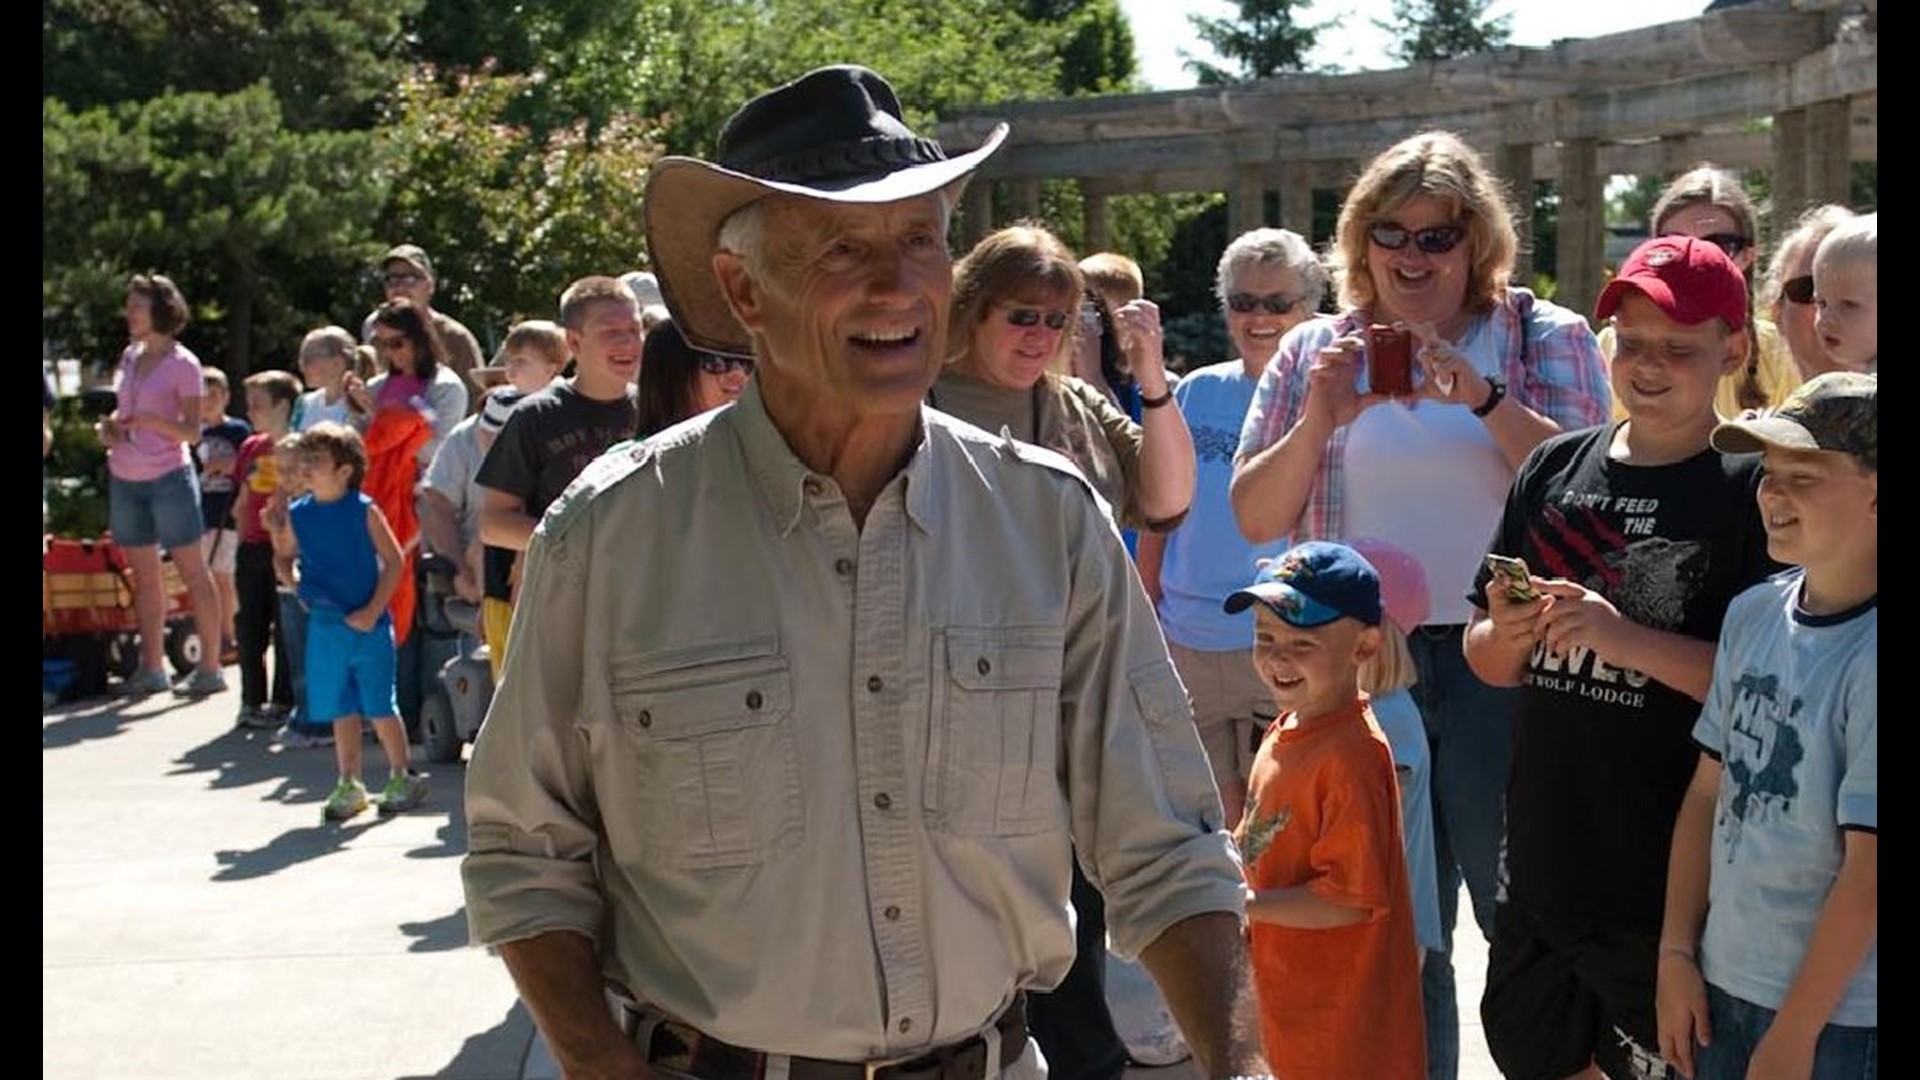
{"type": "Point", "coordinates": [1582, 234]}
{"type": "Point", "coordinates": [1829, 178]}
{"type": "Point", "coordinates": [1789, 166]}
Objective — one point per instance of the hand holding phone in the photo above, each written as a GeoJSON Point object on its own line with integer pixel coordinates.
{"type": "Point", "coordinates": [1512, 574]}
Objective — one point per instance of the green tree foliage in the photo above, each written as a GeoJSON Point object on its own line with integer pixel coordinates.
{"type": "Point", "coordinates": [1098, 57]}
{"type": "Point", "coordinates": [1267, 38]}
{"type": "Point", "coordinates": [1443, 29]}
{"type": "Point", "coordinates": [212, 190]}
{"type": "Point", "coordinates": [511, 214]}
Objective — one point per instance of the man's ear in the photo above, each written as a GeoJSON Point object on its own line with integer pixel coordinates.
{"type": "Point", "coordinates": [741, 291]}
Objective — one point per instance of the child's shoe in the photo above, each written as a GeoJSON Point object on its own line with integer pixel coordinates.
{"type": "Point", "coordinates": [349, 797]}
{"type": "Point", "coordinates": [403, 792]}
{"type": "Point", "coordinates": [144, 682]}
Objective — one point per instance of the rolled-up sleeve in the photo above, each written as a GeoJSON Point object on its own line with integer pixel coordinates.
{"type": "Point", "coordinates": [1147, 820]}
{"type": "Point", "coordinates": [532, 823]}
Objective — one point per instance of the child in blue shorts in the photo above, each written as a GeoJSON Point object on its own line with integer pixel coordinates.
{"type": "Point", "coordinates": [349, 565]}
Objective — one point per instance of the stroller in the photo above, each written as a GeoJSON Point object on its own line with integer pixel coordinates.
{"type": "Point", "coordinates": [89, 631]}
{"type": "Point", "coordinates": [460, 686]}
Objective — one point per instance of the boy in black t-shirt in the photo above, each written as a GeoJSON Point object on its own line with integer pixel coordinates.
{"type": "Point", "coordinates": [553, 434]}
{"type": "Point", "coordinates": [1638, 535]}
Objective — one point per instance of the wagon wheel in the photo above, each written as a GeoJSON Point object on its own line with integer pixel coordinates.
{"type": "Point", "coordinates": [183, 647]}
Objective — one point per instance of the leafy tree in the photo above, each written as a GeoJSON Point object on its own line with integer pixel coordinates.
{"type": "Point", "coordinates": [1266, 39]}
{"type": "Point", "coordinates": [1443, 29]}
{"type": "Point", "coordinates": [214, 191]}
{"type": "Point", "coordinates": [1098, 57]}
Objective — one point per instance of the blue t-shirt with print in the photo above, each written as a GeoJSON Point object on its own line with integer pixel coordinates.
{"type": "Point", "coordinates": [1793, 718]}
{"type": "Point", "coordinates": [1206, 557]}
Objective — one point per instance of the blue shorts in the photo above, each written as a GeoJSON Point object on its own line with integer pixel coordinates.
{"type": "Point", "coordinates": [349, 672]}
{"type": "Point", "coordinates": [164, 511]}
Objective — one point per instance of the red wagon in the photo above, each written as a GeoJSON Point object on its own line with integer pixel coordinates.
{"type": "Point", "coordinates": [88, 616]}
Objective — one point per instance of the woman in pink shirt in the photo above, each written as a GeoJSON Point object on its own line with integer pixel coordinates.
{"type": "Point", "coordinates": [153, 498]}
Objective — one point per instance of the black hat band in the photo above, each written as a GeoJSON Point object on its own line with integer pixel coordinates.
{"type": "Point", "coordinates": [844, 160]}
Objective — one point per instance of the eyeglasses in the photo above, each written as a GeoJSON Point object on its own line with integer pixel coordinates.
{"type": "Point", "coordinates": [404, 277]}
{"type": "Point", "coordinates": [1799, 289]}
{"type": "Point", "coordinates": [1434, 240]}
{"type": "Point", "coordinates": [1274, 303]}
{"type": "Point", "coordinates": [390, 341]}
{"type": "Point", "coordinates": [1731, 243]}
{"type": "Point", "coordinates": [715, 364]}
{"type": "Point", "coordinates": [1026, 316]}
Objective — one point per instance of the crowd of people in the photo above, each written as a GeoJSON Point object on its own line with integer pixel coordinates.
{"type": "Point", "coordinates": [926, 636]}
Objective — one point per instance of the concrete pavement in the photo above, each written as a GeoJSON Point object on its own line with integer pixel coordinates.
{"type": "Point", "coordinates": [200, 922]}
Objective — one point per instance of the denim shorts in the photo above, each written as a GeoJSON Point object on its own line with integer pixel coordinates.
{"type": "Point", "coordinates": [164, 511]}
{"type": "Point", "coordinates": [1842, 1053]}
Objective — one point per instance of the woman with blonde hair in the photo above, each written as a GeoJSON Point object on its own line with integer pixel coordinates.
{"type": "Point", "coordinates": [1787, 290]}
{"type": "Point", "coordinates": [1425, 243]}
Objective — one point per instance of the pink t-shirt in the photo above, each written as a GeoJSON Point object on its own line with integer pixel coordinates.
{"type": "Point", "coordinates": [175, 377]}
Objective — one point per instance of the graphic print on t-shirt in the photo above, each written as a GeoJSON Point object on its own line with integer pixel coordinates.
{"type": "Point", "coordinates": [1763, 748]}
{"type": "Point", "coordinates": [1649, 580]}
{"type": "Point", "coordinates": [1213, 444]}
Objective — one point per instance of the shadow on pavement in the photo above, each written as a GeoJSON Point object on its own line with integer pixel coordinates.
{"type": "Point", "coordinates": [100, 718]}
{"type": "Point", "coordinates": [292, 847]}
{"type": "Point", "coordinates": [444, 934]}
{"type": "Point", "coordinates": [498, 1053]}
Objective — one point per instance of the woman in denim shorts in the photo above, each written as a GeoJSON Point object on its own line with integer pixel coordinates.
{"type": "Point", "coordinates": [153, 495]}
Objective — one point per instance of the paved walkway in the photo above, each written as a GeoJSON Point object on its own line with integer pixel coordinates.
{"type": "Point", "coordinates": [199, 922]}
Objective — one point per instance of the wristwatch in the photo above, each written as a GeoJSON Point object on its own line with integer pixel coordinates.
{"type": "Point", "coordinates": [1496, 390]}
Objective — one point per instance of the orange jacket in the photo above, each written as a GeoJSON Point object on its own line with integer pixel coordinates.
{"type": "Point", "coordinates": [393, 441]}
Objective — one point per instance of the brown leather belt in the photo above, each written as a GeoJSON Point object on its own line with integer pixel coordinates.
{"type": "Point", "coordinates": [686, 1049]}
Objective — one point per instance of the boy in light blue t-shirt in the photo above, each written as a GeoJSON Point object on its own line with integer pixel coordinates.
{"type": "Point", "coordinates": [1768, 949]}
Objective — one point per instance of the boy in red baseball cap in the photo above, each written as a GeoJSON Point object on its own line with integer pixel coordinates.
{"type": "Point", "coordinates": [1638, 535]}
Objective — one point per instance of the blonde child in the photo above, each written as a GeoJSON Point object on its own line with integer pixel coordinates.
{"type": "Point", "coordinates": [1331, 935]}
{"type": "Point", "coordinates": [347, 566]}
{"type": "Point", "coordinates": [300, 732]}
{"type": "Point", "coordinates": [327, 366]}
{"type": "Point", "coordinates": [1387, 679]}
{"type": "Point", "coordinates": [1846, 293]}
{"type": "Point", "coordinates": [271, 396]}
{"type": "Point", "coordinates": [533, 354]}
{"type": "Point", "coordinates": [216, 454]}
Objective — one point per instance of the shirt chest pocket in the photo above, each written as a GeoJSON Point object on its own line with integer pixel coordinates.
{"type": "Point", "coordinates": [994, 742]}
{"type": "Point", "coordinates": [718, 781]}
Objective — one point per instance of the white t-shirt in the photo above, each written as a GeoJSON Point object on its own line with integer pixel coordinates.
{"type": "Point", "coordinates": [314, 409]}
{"type": "Point", "coordinates": [1431, 476]}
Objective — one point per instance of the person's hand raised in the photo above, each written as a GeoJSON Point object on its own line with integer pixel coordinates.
{"type": "Point", "coordinates": [1141, 338]}
{"type": "Point", "coordinates": [1333, 394]}
{"type": "Point", "coordinates": [1450, 376]}
{"type": "Point", "coordinates": [357, 395]}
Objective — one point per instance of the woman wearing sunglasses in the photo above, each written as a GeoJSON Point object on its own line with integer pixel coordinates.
{"type": "Point", "coordinates": [1017, 298]}
{"type": "Point", "coordinates": [1016, 313]}
{"type": "Point", "coordinates": [678, 381]}
{"type": "Point", "coordinates": [1425, 239]}
{"type": "Point", "coordinates": [1709, 203]}
{"type": "Point", "coordinates": [1787, 290]}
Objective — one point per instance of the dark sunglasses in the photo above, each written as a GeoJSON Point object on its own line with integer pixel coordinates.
{"type": "Point", "coordinates": [403, 278]}
{"type": "Point", "coordinates": [1274, 303]}
{"type": "Point", "coordinates": [389, 341]}
{"type": "Point", "coordinates": [715, 364]}
{"type": "Point", "coordinates": [1731, 243]}
{"type": "Point", "coordinates": [1434, 240]}
{"type": "Point", "coordinates": [1798, 289]}
{"type": "Point", "coordinates": [1026, 316]}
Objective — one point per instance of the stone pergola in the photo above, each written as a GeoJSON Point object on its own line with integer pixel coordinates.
{"type": "Point", "coordinates": [1787, 85]}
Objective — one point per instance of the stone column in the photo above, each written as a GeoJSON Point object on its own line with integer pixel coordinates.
{"type": "Point", "coordinates": [1027, 198]}
{"type": "Point", "coordinates": [1246, 201]}
{"type": "Point", "coordinates": [1582, 235]}
{"type": "Point", "coordinates": [1829, 153]}
{"type": "Point", "coordinates": [1094, 218]}
{"type": "Point", "coordinates": [1789, 167]}
{"type": "Point", "coordinates": [1516, 168]}
{"type": "Point", "coordinates": [976, 217]}
{"type": "Point", "coordinates": [1296, 198]}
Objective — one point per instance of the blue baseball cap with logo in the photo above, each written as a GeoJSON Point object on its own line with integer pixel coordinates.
{"type": "Point", "coordinates": [1313, 584]}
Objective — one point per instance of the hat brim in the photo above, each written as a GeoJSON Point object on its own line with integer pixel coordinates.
{"type": "Point", "coordinates": [687, 199]}
{"type": "Point", "coordinates": [1653, 288]}
{"type": "Point", "coordinates": [1754, 436]}
{"type": "Point", "coordinates": [1292, 606]}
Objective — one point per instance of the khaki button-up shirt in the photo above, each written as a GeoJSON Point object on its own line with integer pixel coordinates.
{"type": "Point", "coordinates": [813, 788]}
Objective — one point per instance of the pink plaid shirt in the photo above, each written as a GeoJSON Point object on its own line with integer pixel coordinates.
{"type": "Point", "coordinates": [1562, 376]}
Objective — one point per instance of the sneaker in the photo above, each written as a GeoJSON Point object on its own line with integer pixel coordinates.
{"type": "Point", "coordinates": [403, 792]}
{"type": "Point", "coordinates": [201, 684]}
{"type": "Point", "coordinates": [289, 739]}
{"type": "Point", "coordinates": [349, 797]}
{"type": "Point", "coordinates": [258, 717]}
{"type": "Point", "coordinates": [145, 681]}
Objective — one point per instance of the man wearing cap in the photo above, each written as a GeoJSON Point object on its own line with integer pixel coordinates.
{"type": "Point", "coordinates": [407, 271]}
{"type": "Point", "coordinates": [798, 735]}
{"type": "Point", "coordinates": [1638, 535]}
{"type": "Point", "coordinates": [450, 498]}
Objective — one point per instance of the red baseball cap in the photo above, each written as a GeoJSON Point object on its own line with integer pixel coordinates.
{"type": "Point", "coordinates": [1687, 277]}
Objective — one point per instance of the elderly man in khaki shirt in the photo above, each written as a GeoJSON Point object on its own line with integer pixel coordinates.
{"type": "Point", "coordinates": [812, 697]}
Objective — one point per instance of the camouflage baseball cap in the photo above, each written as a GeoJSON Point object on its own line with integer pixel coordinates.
{"type": "Point", "coordinates": [1831, 411]}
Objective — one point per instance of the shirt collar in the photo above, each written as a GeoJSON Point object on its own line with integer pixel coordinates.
{"type": "Point", "coordinates": [782, 478]}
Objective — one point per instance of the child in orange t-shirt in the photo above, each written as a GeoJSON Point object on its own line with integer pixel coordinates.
{"type": "Point", "coordinates": [1335, 963]}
